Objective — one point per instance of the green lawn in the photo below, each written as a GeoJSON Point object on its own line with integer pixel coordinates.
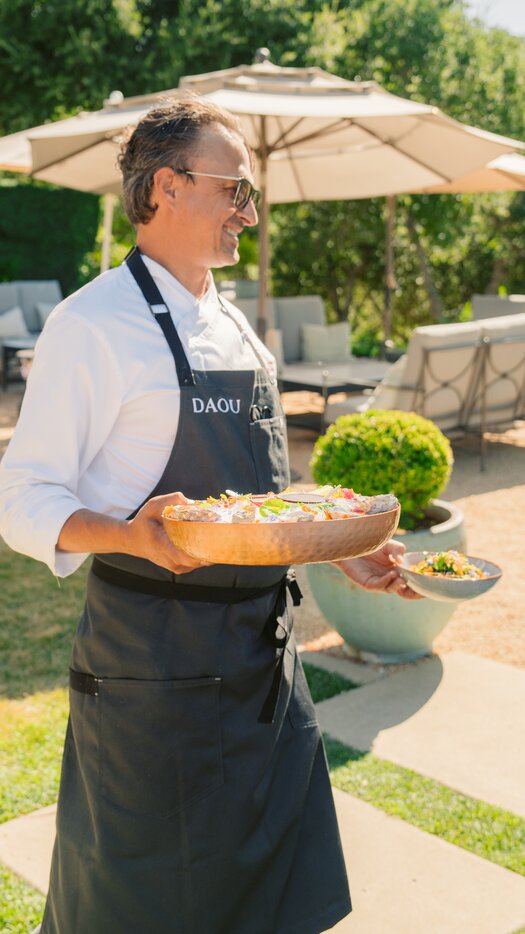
{"type": "Point", "coordinates": [21, 907]}
{"type": "Point", "coordinates": [38, 617]}
{"type": "Point", "coordinates": [324, 684]}
{"type": "Point", "coordinates": [31, 739]}
{"type": "Point", "coordinates": [484, 829]}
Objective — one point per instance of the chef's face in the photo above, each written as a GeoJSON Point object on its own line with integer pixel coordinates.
{"type": "Point", "coordinates": [212, 222]}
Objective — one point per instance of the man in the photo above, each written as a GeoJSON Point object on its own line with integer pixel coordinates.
{"type": "Point", "coordinates": [194, 795]}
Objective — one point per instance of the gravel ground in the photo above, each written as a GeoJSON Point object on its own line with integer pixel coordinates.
{"type": "Point", "coordinates": [493, 502]}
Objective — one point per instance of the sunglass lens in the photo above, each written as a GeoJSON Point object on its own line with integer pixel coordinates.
{"type": "Point", "coordinates": [245, 192]}
{"type": "Point", "coordinates": [242, 195]}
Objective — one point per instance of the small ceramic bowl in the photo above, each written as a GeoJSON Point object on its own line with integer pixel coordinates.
{"type": "Point", "coordinates": [449, 589]}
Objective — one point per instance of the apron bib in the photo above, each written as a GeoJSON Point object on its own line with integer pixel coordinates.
{"type": "Point", "coordinates": [194, 795]}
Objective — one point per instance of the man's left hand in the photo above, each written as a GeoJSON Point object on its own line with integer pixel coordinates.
{"type": "Point", "coordinates": [379, 571]}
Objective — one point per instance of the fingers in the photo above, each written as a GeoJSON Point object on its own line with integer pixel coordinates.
{"type": "Point", "coordinates": [392, 582]}
{"type": "Point", "coordinates": [157, 503]}
{"type": "Point", "coordinates": [394, 550]}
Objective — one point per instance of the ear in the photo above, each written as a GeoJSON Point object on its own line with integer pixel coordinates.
{"type": "Point", "coordinates": [165, 185]}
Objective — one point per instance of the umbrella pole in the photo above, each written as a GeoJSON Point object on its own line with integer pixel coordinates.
{"type": "Point", "coordinates": [390, 282]}
{"type": "Point", "coordinates": [264, 246]}
{"type": "Point", "coordinates": [109, 204]}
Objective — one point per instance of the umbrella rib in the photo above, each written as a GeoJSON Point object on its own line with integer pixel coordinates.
{"type": "Point", "coordinates": [394, 145]}
{"type": "Point", "coordinates": [294, 168]}
{"type": "Point", "coordinates": [323, 131]}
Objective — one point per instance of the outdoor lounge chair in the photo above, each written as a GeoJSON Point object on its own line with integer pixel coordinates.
{"type": "Point", "coordinates": [465, 377]}
{"type": "Point", "coordinates": [24, 309]}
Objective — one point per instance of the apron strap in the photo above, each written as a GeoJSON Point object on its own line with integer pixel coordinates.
{"type": "Point", "coordinates": [279, 630]}
{"type": "Point", "coordinates": [84, 684]}
{"type": "Point", "coordinates": [153, 298]}
{"type": "Point", "coordinates": [172, 589]}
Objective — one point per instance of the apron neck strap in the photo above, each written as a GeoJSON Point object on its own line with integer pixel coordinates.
{"type": "Point", "coordinates": [154, 299]}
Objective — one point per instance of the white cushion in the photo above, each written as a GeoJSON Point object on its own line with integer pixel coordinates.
{"type": "Point", "coordinates": [43, 310]}
{"type": "Point", "coordinates": [385, 396]}
{"type": "Point", "coordinates": [12, 324]}
{"type": "Point", "coordinates": [274, 343]}
{"type": "Point", "coordinates": [328, 343]}
{"type": "Point", "coordinates": [290, 314]}
{"type": "Point", "coordinates": [32, 291]}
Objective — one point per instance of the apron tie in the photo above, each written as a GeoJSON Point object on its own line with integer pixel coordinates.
{"type": "Point", "coordinates": [279, 629]}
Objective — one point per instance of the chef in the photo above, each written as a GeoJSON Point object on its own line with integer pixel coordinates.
{"type": "Point", "coordinates": [194, 795]}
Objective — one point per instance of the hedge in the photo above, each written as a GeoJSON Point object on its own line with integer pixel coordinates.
{"type": "Point", "coordinates": [45, 232]}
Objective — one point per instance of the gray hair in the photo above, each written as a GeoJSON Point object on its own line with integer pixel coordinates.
{"type": "Point", "coordinates": [168, 135]}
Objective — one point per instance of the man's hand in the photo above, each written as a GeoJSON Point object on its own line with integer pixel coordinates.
{"type": "Point", "coordinates": [379, 571]}
{"type": "Point", "coordinates": [142, 537]}
{"type": "Point", "coordinates": [148, 538]}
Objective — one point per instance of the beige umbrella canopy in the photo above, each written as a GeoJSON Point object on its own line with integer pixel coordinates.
{"type": "Point", "coordinates": [316, 137]}
{"type": "Point", "coordinates": [506, 173]}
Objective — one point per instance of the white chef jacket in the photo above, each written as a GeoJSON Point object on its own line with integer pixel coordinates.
{"type": "Point", "coordinates": [101, 407]}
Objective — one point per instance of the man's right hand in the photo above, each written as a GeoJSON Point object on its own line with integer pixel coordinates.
{"type": "Point", "coordinates": [143, 536]}
{"type": "Point", "coordinates": [149, 539]}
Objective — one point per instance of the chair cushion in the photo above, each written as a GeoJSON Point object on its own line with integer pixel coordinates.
{"type": "Point", "coordinates": [38, 290]}
{"type": "Point", "coordinates": [43, 310]}
{"type": "Point", "coordinates": [328, 343]}
{"type": "Point", "coordinates": [12, 324]}
{"type": "Point", "coordinates": [8, 296]}
{"type": "Point", "coordinates": [290, 314]}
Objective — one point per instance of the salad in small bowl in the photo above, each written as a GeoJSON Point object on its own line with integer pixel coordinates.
{"type": "Point", "coordinates": [448, 575]}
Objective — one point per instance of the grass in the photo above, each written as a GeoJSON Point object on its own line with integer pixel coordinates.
{"type": "Point", "coordinates": [488, 831]}
{"type": "Point", "coordinates": [37, 621]}
{"type": "Point", "coordinates": [324, 684]}
{"type": "Point", "coordinates": [21, 907]}
{"type": "Point", "coordinates": [31, 740]}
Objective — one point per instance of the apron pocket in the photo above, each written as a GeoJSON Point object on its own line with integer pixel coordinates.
{"type": "Point", "coordinates": [268, 439]}
{"type": "Point", "coordinates": [160, 743]}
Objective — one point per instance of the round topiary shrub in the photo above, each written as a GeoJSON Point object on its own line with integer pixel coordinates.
{"type": "Point", "coordinates": [383, 451]}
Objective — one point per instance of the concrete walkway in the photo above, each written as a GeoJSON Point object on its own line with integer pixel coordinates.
{"type": "Point", "coordinates": [458, 719]}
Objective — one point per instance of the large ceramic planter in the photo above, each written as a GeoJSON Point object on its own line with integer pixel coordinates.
{"type": "Point", "coordinates": [383, 627]}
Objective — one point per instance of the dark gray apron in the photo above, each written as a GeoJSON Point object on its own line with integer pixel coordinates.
{"type": "Point", "coordinates": [194, 795]}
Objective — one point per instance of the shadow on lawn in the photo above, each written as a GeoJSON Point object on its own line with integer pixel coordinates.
{"type": "Point", "coordinates": [38, 618]}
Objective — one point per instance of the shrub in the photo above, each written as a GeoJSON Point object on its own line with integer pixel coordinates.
{"type": "Point", "coordinates": [386, 451]}
{"type": "Point", "coordinates": [45, 232]}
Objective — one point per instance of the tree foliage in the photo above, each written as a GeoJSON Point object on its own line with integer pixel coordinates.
{"type": "Point", "coordinates": [59, 57]}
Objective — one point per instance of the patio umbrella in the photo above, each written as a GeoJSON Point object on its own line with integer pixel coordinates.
{"type": "Point", "coordinates": [321, 137]}
{"type": "Point", "coordinates": [316, 137]}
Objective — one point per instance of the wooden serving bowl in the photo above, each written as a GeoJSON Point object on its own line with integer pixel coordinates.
{"type": "Point", "coordinates": [282, 543]}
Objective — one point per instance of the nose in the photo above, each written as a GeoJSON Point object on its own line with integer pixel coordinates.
{"type": "Point", "coordinates": [249, 214]}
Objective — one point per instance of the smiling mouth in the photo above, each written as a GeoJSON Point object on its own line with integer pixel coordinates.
{"type": "Point", "coordinates": [234, 234]}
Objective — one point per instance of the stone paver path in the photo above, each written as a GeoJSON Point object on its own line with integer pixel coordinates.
{"type": "Point", "coordinates": [457, 718]}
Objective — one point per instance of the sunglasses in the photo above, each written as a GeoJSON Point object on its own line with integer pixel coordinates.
{"type": "Point", "coordinates": [244, 193]}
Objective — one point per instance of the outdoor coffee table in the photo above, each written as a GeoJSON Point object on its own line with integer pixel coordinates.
{"type": "Point", "coordinates": [326, 379]}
